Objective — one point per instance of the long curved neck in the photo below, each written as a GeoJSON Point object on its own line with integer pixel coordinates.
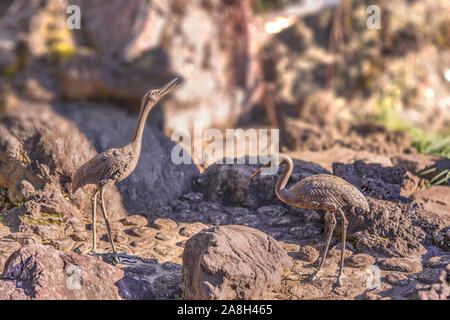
{"type": "Point", "coordinates": [136, 139]}
{"type": "Point", "coordinates": [284, 177]}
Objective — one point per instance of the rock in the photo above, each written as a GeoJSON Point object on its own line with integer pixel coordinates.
{"type": "Point", "coordinates": [6, 249]}
{"type": "Point", "coordinates": [305, 231]}
{"type": "Point", "coordinates": [438, 262]}
{"type": "Point", "coordinates": [436, 199]}
{"type": "Point", "coordinates": [135, 220]}
{"type": "Point", "coordinates": [360, 260]}
{"type": "Point", "coordinates": [230, 184]}
{"type": "Point", "coordinates": [416, 163]}
{"type": "Point", "coordinates": [164, 236]}
{"type": "Point", "coordinates": [429, 276]}
{"type": "Point", "coordinates": [393, 229]}
{"type": "Point", "coordinates": [192, 229]}
{"type": "Point", "coordinates": [232, 262]}
{"type": "Point", "coordinates": [273, 211]}
{"type": "Point", "coordinates": [156, 181]}
{"type": "Point", "coordinates": [397, 279]}
{"type": "Point", "coordinates": [65, 244]}
{"type": "Point", "coordinates": [149, 280]}
{"type": "Point", "coordinates": [24, 238]}
{"type": "Point", "coordinates": [326, 158]}
{"type": "Point", "coordinates": [376, 181]}
{"type": "Point", "coordinates": [45, 273]}
{"type": "Point", "coordinates": [437, 291]}
{"type": "Point", "coordinates": [141, 232]}
{"type": "Point", "coordinates": [308, 253]}
{"type": "Point", "coordinates": [164, 224]}
{"type": "Point", "coordinates": [400, 264]}
{"type": "Point", "coordinates": [42, 149]}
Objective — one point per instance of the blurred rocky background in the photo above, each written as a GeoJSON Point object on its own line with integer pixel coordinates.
{"type": "Point", "coordinates": [369, 105]}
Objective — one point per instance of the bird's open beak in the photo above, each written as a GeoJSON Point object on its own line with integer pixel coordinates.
{"type": "Point", "coordinates": [169, 87]}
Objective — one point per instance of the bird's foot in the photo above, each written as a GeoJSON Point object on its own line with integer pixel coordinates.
{"type": "Point", "coordinates": [115, 259]}
{"type": "Point", "coordinates": [340, 279]}
{"type": "Point", "coordinates": [315, 276]}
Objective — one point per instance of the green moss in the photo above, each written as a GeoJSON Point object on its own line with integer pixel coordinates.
{"type": "Point", "coordinates": [45, 221]}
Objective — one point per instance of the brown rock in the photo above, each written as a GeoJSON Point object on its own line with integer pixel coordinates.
{"type": "Point", "coordinates": [400, 264]}
{"type": "Point", "coordinates": [438, 262]}
{"type": "Point", "coordinates": [65, 244]}
{"type": "Point", "coordinates": [435, 199]}
{"type": "Point", "coordinates": [192, 229]}
{"type": "Point", "coordinates": [135, 220]}
{"type": "Point", "coordinates": [6, 249]}
{"type": "Point", "coordinates": [45, 273]}
{"type": "Point", "coordinates": [232, 262]}
{"type": "Point", "coordinates": [361, 260]}
{"type": "Point", "coordinates": [308, 253]}
{"type": "Point", "coordinates": [164, 224]}
{"type": "Point", "coordinates": [141, 232]}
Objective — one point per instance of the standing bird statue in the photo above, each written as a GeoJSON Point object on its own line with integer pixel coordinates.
{"type": "Point", "coordinates": [320, 191]}
{"type": "Point", "coordinates": [114, 165]}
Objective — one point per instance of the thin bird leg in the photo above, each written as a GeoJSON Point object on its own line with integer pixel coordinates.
{"type": "Point", "coordinates": [94, 214]}
{"type": "Point", "coordinates": [330, 221]}
{"type": "Point", "coordinates": [115, 258]}
{"type": "Point", "coordinates": [344, 233]}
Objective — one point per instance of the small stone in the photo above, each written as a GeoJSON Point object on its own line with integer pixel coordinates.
{"type": "Point", "coordinates": [24, 238]}
{"type": "Point", "coordinates": [164, 224]}
{"type": "Point", "coordinates": [237, 211]}
{"type": "Point", "coordinates": [81, 236]}
{"type": "Point", "coordinates": [308, 253]}
{"type": "Point", "coordinates": [143, 243]}
{"type": "Point", "coordinates": [279, 222]}
{"type": "Point", "coordinates": [429, 276]}
{"type": "Point", "coordinates": [83, 248]}
{"type": "Point", "coordinates": [217, 218]}
{"type": "Point", "coordinates": [118, 237]}
{"type": "Point", "coordinates": [135, 220]}
{"type": "Point", "coordinates": [305, 231]}
{"type": "Point", "coordinates": [360, 260]}
{"type": "Point", "coordinates": [164, 250]}
{"type": "Point", "coordinates": [397, 279]}
{"type": "Point", "coordinates": [193, 197]}
{"type": "Point", "coordinates": [141, 232]}
{"type": "Point", "coordinates": [164, 236]}
{"type": "Point", "coordinates": [192, 229]}
{"type": "Point", "coordinates": [438, 262]}
{"type": "Point", "coordinates": [181, 244]}
{"type": "Point", "coordinates": [400, 264]}
{"type": "Point", "coordinates": [180, 205]}
{"type": "Point", "coordinates": [273, 211]}
{"type": "Point", "coordinates": [65, 244]}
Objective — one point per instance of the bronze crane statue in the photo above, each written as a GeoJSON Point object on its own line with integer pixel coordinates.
{"type": "Point", "coordinates": [320, 191]}
{"type": "Point", "coordinates": [116, 164]}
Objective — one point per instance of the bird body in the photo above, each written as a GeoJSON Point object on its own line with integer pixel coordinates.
{"type": "Point", "coordinates": [326, 192]}
{"type": "Point", "coordinates": [320, 191]}
{"type": "Point", "coordinates": [108, 167]}
{"type": "Point", "coordinates": [114, 165]}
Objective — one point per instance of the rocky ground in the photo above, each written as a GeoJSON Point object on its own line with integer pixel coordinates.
{"type": "Point", "coordinates": [64, 96]}
{"type": "Point", "coordinates": [46, 231]}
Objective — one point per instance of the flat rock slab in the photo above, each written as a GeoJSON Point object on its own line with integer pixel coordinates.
{"type": "Point", "coordinates": [436, 199]}
{"type": "Point", "coordinates": [400, 264]}
{"type": "Point", "coordinates": [232, 262]}
{"type": "Point", "coordinates": [45, 273]}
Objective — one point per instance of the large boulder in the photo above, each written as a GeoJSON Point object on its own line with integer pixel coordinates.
{"type": "Point", "coordinates": [230, 183]}
{"type": "Point", "coordinates": [39, 153]}
{"type": "Point", "coordinates": [232, 262]}
{"type": "Point", "coordinates": [43, 273]}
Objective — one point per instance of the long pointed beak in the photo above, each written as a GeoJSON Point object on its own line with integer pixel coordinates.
{"type": "Point", "coordinates": [254, 174]}
{"type": "Point", "coordinates": [169, 87]}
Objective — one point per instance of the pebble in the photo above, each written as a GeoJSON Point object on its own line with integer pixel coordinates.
{"type": "Point", "coordinates": [164, 224]}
